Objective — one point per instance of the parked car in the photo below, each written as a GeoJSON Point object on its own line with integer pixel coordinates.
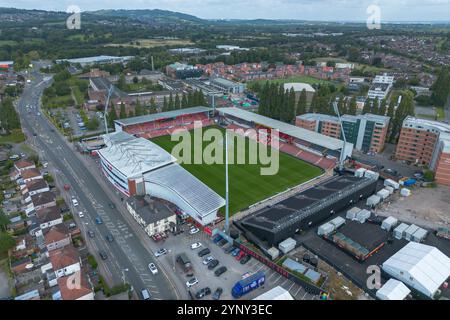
{"type": "Point", "coordinates": [235, 252]}
{"type": "Point", "coordinates": [98, 220]}
{"type": "Point", "coordinates": [110, 238]}
{"type": "Point", "coordinates": [213, 264]}
{"type": "Point", "coordinates": [196, 245]}
{"type": "Point", "coordinates": [220, 271]}
{"type": "Point", "coordinates": [222, 242]}
{"type": "Point", "coordinates": [81, 214]}
{"type": "Point", "coordinates": [217, 238]}
{"type": "Point", "coordinates": [74, 202]}
{"type": "Point", "coordinates": [207, 260]}
{"type": "Point", "coordinates": [217, 294]}
{"type": "Point", "coordinates": [160, 252]}
{"type": "Point", "coordinates": [245, 259]}
{"type": "Point", "coordinates": [240, 256]}
{"type": "Point", "coordinates": [230, 249]}
{"type": "Point", "coordinates": [145, 294]}
{"type": "Point", "coordinates": [194, 230]}
{"type": "Point", "coordinates": [91, 234]}
{"type": "Point", "coordinates": [204, 252]}
{"type": "Point", "coordinates": [203, 293]}
{"type": "Point", "coordinates": [103, 255]}
{"type": "Point", "coordinates": [153, 268]}
{"type": "Point", "coordinates": [191, 282]}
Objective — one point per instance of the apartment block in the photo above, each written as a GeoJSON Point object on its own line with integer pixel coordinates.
{"type": "Point", "coordinates": [367, 132]}
{"type": "Point", "coordinates": [426, 142]}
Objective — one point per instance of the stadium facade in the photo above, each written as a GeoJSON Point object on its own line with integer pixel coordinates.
{"type": "Point", "coordinates": [137, 166]}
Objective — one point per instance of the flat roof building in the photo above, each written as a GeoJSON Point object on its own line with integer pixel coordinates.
{"type": "Point", "coordinates": [87, 61]}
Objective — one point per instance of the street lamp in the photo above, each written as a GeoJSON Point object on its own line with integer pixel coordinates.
{"type": "Point", "coordinates": [123, 274]}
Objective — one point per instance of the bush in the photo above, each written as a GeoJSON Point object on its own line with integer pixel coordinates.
{"type": "Point", "coordinates": [92, 262]}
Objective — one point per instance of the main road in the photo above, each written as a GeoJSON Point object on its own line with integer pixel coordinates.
{"type": "Point", "coordinates": [128, 257]}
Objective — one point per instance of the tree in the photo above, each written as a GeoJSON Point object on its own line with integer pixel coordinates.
{"type": "Point", "coordinates": [441, 88]}
{"type": "Point", "coordinates": [121, 83]}
{"type": "Point", "coordinates": [93, 124]}
{"type": "Point", "coordinates": [367, 107]}
{"type": "Point", "coordinates": [6, 242]}
{"type": "Point", "coordinates": [382, 110]}
{"type": "Point", "coordinates": [9, 119]}
{"type": "Point", "coordinates": [123, 112]}
{"type": "Point", "coordinates": [184, 101]}
{"type": "Point", "coordinates": [165, 105]}
{"type": "Point", "coordinates": [352, 106]}
{"type": "Point", "coordinates": [138, 109]}
{"type": "Point", "coordinates": [171, 102]}
{"type": "Point", "coordinates": [302, 103]}
{"type": "Point", "coordinates": [112, 115]}
{"type": "Point", "coordinates": [177, 102]}
{"type": "Point", "coordinates": [4, 221]}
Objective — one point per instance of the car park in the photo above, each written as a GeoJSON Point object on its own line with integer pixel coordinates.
{"type": "Point", "coordinates": [91, 234]}
{"type": "Point", "coordinates": [214, 263]}
{"type": "Point", "coordinates": [207, 260]}
{"type": "Point", "coordinates": [152, 268]}
{"type": "Point", "coordinates": [103, 255]}
{"type": "Point", "coordinates": [196, 245]}
{"type": "Point", "coordinates": [110, 238]}
{"type": "Point", "coordinates": [98, 220]}
{"type": "Point", "coordinates": [217, 294]}
{"type": "Point", "coordinates": [191, 282]}
{"type": "Point", "coordinates": [220, 271]}
{"type": "Point", "coordinates": [204, 252]}
{"type": "Point", "coordinates": [160, 252]}
{"type": "Point", "coordinates": [203, 293]}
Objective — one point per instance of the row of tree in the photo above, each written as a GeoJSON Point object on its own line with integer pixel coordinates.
{"type": "Point", "coordinates": [441, 88]}
{"type": "Point", "coordinates": [9, 119]}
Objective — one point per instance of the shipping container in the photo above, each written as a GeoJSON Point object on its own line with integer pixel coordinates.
{"type": "Point", "coordinates": [389, 223]}
{"type": "Point", "coordinates": [248, 284]}
{"type": "Point", "coordinates": [410, 231]}
{"type": "Point", "coordinates": [351, 214]}
{"type": "Point", "coordinates": [363, 215]}
{"type": "Point", "coordinates": [391, 183]}
{"type": "Point", "coordinates": [390, 189]}
{"type": "Point", "coordinates": [383, 194]}
{"type": "Point", "coordinates": [287, 245]}
{"type": "Point", "coordinates": [371, 175]}
{"type": "Point", "coordinates": [419, 235]}
{"type": "Point", "coordinates": [337, 222]}
{"type": "Point", "coordinates": [373, 201]}
{"type": "Point", "coordinates": [325, 229]}
{"type": "Point", "coordinates": [360, 172]}
{"type": "Point", "coordinates": [400, 230]}
{"type": "Point", "coordinates": [405, 192]}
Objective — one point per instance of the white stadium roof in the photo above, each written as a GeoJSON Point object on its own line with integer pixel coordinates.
{"type": "Point", "coordinates": [188, 188]}
{"type": "Point", "coordinates": [422, 267]}
{"type": "Point", "coordinates": [133, 156]}
{"type": "Point", "coordinates": [393, 290]}
{"type": "Point", "coordinates": [161, 115]}
{"type": "Point", "coordinates": [293, 131]}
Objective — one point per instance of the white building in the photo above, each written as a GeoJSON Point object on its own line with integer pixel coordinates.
{"type": "Point", "coordinates": [277, 293]}
{"type": "Point", "coordinates": [421, 267]}
{"type": "Point", "coordinates": [381, 86]}
{"type": "Point", "coordinates": [393, 290]}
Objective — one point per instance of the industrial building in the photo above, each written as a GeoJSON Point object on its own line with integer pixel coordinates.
{"type": "Point", "coordinates": [228, 86]}
{"type": "Point", "coordinates": [367, 132]}
{"type": "Point", "coordinates": [137, 166]}
{"type": "Point", "coordinates": [88, 61]}
{"type": "Point", "coordinates": [381, 86]}
{"type": "Point", "coordinates": [421, 267]}
{"type": "Point", "coordinates": [426, 142]}
{"type": "Point", "coordinates": [275, 223]}
{"type": "Point", "coordinates": [179, 70]}
{"type": "Point", "coordinates": [393, 290]}
{"type": "Point", "coordinates": [187, 51]}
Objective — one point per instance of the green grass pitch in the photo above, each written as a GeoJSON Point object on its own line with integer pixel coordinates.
{"type": "Point", "coordinates": [246, 185]}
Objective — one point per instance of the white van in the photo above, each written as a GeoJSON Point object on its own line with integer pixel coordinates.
{"type": "Point", "coordinates": [145, 294]}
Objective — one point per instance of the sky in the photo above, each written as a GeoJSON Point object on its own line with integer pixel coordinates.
{"type": "Point", "coordinates": [321, 10]}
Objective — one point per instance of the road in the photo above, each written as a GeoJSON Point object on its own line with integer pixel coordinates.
{"type": "Point", "coordinates": [127, 256]}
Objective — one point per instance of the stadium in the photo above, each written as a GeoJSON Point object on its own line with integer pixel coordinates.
{"type": "Point", "coordinates": [137, 160]}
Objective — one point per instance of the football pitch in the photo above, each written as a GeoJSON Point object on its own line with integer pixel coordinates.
{"type": "Point", "coordinates": [246, 184]}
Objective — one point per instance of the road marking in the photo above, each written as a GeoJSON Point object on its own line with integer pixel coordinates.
{"type": "Point", "coordinates": [299, 288]}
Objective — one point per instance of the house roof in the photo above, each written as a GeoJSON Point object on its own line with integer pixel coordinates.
{"type": "Point", "coordinates": [56, 233]}
{"type": "Point", "coordinates": [43, 198]}
{"type": "Point", "coordinates": [70, 291]}
{"type": "Point", "coordinates": [149, 210]}
{"type": "Point", "coordinates": [64, 257]}
{"type": "Point", "coordinates": [36, 184]}
{"type": "Point", "coordinates": [30, 173]}
{"type": "Point", "coordinates": [21, 164]}
{"type": "Point", "coordinates": [48, 214]}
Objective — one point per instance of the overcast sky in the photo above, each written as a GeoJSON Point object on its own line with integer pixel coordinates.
{"type": "Point", "coordinates": [324, 10]}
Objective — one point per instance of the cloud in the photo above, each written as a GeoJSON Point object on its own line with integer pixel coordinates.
{"type": "Point", "coordinates": [410, 10]}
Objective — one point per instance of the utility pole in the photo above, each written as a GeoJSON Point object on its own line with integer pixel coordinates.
{"type": "Point", "coordinates": [227, 207]}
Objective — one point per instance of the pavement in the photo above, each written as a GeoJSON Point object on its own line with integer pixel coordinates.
{"type": "Point", "coordinates": [128, 257]}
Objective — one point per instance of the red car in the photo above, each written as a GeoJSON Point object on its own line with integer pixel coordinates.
{"type": "Point", "coordinates": [66, 187]}
{"type": "Point", "coordinates": [240, 255]}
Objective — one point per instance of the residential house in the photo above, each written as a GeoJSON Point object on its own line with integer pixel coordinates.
{"type": "Point", "coordinates": [49, 217]}
{"type": "Point", "coordinates": [65, 261]}
{"type": "Point", "coordinates": [16, 223]}
{"type": "Point", "coordinates": [30, 295]}
{"type": "Point", "coordinates": [23, 165]}
{"type": "Point", "coordinates": [21, 265]}
{"type": "Point", "coordinates": [34, 187]}
{"type": "Point", "coordinates": [43, 200]}
{"type": "Point", "coordinates": [75, 287]}
{"type": "Point", "coordinates": [57, 237]}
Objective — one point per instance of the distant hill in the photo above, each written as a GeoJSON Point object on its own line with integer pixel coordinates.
{"type": "Point", "coordinates": [151, 16]}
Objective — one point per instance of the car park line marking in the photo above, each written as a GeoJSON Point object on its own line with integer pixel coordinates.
{"type": "Point", "coordinates": [286, 280]}
{"type": "Point", "coordinates": [290, 288]}
{"type": "Point", "coordinates": [303, 298]}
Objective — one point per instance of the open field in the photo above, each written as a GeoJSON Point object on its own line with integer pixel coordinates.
{"type": "Point", "coordinates": [304, 79]}
{"type": "Point", "coordinates": [152, 43]}
{"type": "Point", "coordinates": [247, 186]}
{"type": "Point", "coordinates": [15, 137]}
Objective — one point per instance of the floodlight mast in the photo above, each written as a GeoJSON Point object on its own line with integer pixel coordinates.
{"type": "Point", "coordinates": [342, 157]}
{"type": "Point", "coordinates": [110, 91]}
{"type": "Point", "coordinates": [227, 207]}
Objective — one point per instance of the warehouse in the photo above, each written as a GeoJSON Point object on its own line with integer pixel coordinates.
{"type": "Point", "coordinates": [421, 267]}
{"type": "Point", "coordinates": [276, 223]}
{"type": "Point", "coordinates": [87, 61]}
